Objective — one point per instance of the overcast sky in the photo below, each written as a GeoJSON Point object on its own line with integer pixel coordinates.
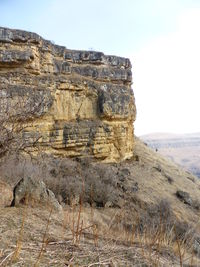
{"type": "Point", "coordinates": [161, 37]}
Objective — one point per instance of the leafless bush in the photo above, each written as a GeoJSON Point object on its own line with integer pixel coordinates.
{"type": "Point", "coordinates": [159, 220]}
{"type": "Point", "coordinates": [65, 178]}
{"type": "Point", "coordinates": [154, 216]}
{"type": "Point", "coordinates": [17, 110]}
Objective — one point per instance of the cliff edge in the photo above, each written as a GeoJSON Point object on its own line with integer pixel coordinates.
{"type": "Point", "coordinates": [74, 103]}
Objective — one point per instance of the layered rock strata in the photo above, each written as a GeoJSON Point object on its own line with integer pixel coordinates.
{"type": "Point", "coordinates": [75, 103]}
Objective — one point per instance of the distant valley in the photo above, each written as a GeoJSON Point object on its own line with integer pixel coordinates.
{"type": "Point", "coordinates": [183, 149]}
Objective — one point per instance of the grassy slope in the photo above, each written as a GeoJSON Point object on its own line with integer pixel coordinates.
{"type": "Point", "coordinates": [153, 172]}
{"type": "Point", "coordinates": [188, 156]}
{"type": "Point", "coordinates": [103, 239]}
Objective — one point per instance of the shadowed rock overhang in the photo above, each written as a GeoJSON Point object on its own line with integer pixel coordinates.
{"type": "Point", "coordinates": [79, 103]}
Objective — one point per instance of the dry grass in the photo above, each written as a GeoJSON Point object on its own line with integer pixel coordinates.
{"type": "Point", "coordinates": [182, 149]}
{"type": "Point", "coordinates": [135, 229]}
{"type": "Point", "coordinates": [85, 236]}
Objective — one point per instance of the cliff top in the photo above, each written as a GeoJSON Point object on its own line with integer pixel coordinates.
{"type": "Point", "coordinates": [18, 36]}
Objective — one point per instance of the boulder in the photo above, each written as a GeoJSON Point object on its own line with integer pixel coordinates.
{"type": "Point", "coordinates": [34, 192]}
{"type": "Point", "coordinates": [184, 197]}
{"type": "Point", "coordinates": [6, 194]}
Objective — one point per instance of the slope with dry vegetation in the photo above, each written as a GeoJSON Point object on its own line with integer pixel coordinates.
{"type": "Point", "coordinates": [183, 149]}
{"type": "Point", "coordinates": [141, 212]}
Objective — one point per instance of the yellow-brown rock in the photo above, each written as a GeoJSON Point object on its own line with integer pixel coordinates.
{"type": "Point", "coordinates": [74, 103]}
{"type": "Point", "coordinates": [6, 194]}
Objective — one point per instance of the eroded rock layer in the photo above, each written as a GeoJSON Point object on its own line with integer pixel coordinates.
{"type": "Point", "coordinates": [75, 103]}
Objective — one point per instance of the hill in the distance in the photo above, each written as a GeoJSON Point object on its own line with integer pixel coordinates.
{"type": "Point", "coordinates": [183, 149]}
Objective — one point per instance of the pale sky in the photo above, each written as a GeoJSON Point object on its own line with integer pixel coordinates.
{"type": "Point", "coordinates": [161, 37]}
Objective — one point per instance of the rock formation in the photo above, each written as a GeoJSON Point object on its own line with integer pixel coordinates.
{"type": "Point", "coordinates": [75, 103]}
{"type": "Point", "coordinates": [6, 194]}
{"type": "Point", "coordinates": [31, 191]}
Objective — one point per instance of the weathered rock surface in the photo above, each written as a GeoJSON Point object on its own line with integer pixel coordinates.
{"type": "Point", "coordinates": [78, 102]}
{"type": "Point", "coordinates": [32, 191]}
{"type": "Point", "coordinates": [6, 194]}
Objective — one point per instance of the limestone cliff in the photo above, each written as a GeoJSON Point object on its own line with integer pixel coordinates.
{"type": "Point", "coordinates": [75, 103]}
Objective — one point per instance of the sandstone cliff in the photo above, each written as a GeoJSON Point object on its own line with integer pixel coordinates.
{"type": "Point", "coordinates": [75, 103]}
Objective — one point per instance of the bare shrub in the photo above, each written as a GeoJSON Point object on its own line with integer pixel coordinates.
{"type": "Point", "coordinates": [18, 108]}
{"type": "Point", "coordinates": [155, 216]}
{"type": "Point", "coordinates": [158, 221]}
{"type": "Point", "coordinates": [184, 231]}
{"type": "Point", "coordinates": [15, 167]}
{"type": "Point", "coordinates": [65, 178]}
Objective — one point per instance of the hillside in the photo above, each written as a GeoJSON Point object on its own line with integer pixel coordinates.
{"type": "Point", "coordinates": [184, 149]}
{"type": "Point", "coordinates": [132, 201]}
{"type": "Point", "coordinates": [77, 188]}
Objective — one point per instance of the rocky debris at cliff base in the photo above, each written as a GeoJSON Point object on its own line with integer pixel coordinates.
{"type": "Point", "coordinates": [6, 194]}
{"type": "Point", "coordinates": [34, 192]}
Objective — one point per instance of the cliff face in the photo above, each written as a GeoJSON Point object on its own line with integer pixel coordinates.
{"type": "Point", "coordinates": [74, 103]}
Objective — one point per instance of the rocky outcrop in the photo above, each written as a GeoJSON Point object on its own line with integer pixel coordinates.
{"type": "Point", "coordinates": [34, 192]}
{"type": "Point", "coordinates": [74, 103]}
{"type": "Point", "coordinates": [6, 194]}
